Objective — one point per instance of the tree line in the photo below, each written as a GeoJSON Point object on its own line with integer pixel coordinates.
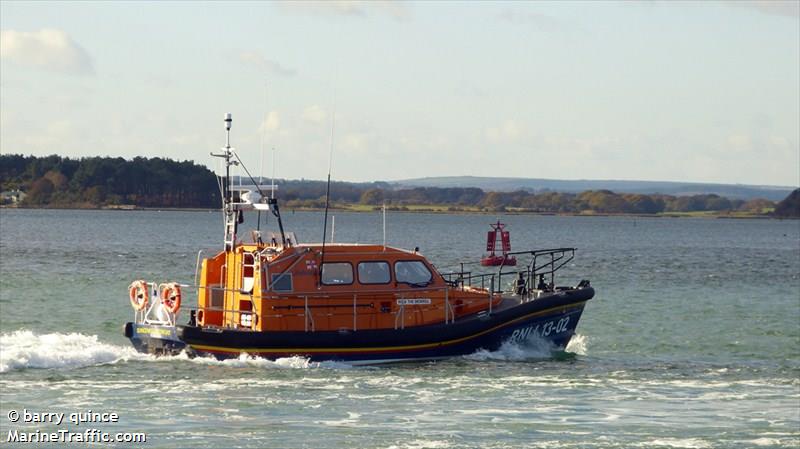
{"type": "Point", "coordinates": [95, 181]}
{"type": "Point", "coordinates": [599, 201]}
{"type": "Point", "coordinates": [159, 182]}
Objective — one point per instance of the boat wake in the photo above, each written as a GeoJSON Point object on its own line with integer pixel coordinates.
{"type": "Point", "coordinates": [248, 361]}
{"type": "Point", "coordinates": [532, 348]}
{"type": "Point", "coordinates": [577, 344]}
{"type": "Point", "coordinates": [23, 349]}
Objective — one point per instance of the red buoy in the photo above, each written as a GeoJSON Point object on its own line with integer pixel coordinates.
{"type": "Point", "coordinates": [493, 259]}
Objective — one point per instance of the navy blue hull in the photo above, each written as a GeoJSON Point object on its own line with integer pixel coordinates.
{"type": "Point", "coordinates": [552, 319]}
{"type": "Point", "coordinates": [154, 339]}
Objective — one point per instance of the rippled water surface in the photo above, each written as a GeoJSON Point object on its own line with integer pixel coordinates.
{"type": "Point", "coordinates": [693, 340]}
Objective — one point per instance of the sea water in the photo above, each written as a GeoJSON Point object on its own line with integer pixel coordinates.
{"type": "Point", "coordinates": [693, 340]}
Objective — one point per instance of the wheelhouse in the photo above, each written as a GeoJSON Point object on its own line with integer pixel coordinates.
{"type": "Point", "coordinates": [259, 288]}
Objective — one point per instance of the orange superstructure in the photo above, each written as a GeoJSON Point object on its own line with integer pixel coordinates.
{"type": "Point", "coordinates": [261, 287]}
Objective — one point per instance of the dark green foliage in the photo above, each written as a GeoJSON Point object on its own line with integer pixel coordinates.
{"type": "Point", "coordinates": [789, 206]}
{"type": "Point", "coordinates": [153, 182]}
{"type": "Point", "coordinates": [40, 192]}
{"type": "Point", "coordinates": [372, 196]}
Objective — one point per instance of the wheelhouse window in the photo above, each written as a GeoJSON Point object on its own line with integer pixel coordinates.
{"type": "Point", "coordinates": [412, 272]}
{"type": "Point", "coordinates": [374, 273]}
{"type": "Point", "coordinates": [282, 282]}
{"type": "Point", "coordinates": [337, 273]}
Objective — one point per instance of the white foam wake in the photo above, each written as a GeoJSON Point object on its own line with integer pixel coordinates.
{"type": "Point", "coordinates": [25, 350]}
{"type": "Point", "coordinates": [248, 361]}
{"type": "Point", "coordinates": [532, 348]}
{"type": "Point", "coordinates": [578, 344]}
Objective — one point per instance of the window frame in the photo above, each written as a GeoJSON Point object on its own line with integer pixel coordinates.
{"type": "Point", "coordinates": [245, 268]}
{"type": "Point", "coordinates": [322, 275]}
{"type": "Point", "coordinates": [412, 284]}
{"type": "Point", "coordinates": [389, 264]}
{"type": "Point", "coordinates": [285, 275]}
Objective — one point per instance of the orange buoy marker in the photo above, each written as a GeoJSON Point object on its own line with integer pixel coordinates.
{"type": "Point", "coordinates": [171, 297]}
{"type": "Point", "coordinates": [138, 294]}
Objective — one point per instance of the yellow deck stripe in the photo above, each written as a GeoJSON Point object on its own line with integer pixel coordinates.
{"type": "Point", "coordinates": [385, 348]}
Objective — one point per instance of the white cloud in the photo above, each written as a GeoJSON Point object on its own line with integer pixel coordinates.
{"type": "Point", "coordinates": [536, 20]}
{"type": "Point", "coordinates": [739, 142]}
{"type": "Point", "coordinates": [315, 114]}
{"type": "Point", "coordinates": [271, 122]}
{"type": "Point", "coordinates": [47, 49]}
{"type": "Point", "coordinates": [260, 62]}
{"type": "Point", "coordinates": [509, 131]}
{"type": "Point", "coordinates": [51, 135]}
{"type": "Point", "coordinates": [357, 142]}
{"type": "Point", "coordinates": [787, 8]}
{"type": "Point", "coordinates": [353, 8]}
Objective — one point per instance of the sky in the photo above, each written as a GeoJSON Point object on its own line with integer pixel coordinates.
{"type": "Point", "coordinates": [655, 90]}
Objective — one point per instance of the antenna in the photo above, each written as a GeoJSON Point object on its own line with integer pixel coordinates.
{"type": "Point", "coordinates": [261, 150]}
{"type": "Point", "coordinates": [272, 195]}
{"type": "Point", "coordinates": [328, 188]}
{"type": "Point", "coordinates": [227, 154]}
{"type": "Point", "coordinates": [384, 226]}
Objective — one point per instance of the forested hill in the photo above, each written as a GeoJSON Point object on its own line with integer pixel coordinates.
{"type": "Point", "coordinates": [95, 181]}
{"type": "Point", "coordinates": [497, 184]}
{"type": "Point", "coordinates": [56, 181]}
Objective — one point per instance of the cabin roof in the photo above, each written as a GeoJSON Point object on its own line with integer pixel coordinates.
{"type": "Point", "coordinates": [360, 247]}
{"type": "Point", "coordinates": [344, 249]}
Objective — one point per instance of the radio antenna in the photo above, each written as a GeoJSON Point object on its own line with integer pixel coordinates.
{"type": "Point", "coordinates": [272, 194]}
{"type": "Point", "coordinates": [261, 149]}
{"type": "Point", "coordinates": [328, 187]}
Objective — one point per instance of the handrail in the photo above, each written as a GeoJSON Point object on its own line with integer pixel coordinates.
{"type": "Point", "coordinates": [287, 270]}
{"type": "Point", "coordinates": [475, 280]}
{"type": "Point", "coordinates": [400, 315]}
{"type": "Point", "coordinates": [197, 266]}
{"type": "Point", "coordinates": [308, 312]}
{"type": "Point", "coordinates": [274, 295]}
{"type": "Point", "coordinates": [543, 251]}
{"type": "Point", "coordinates": [491, 294]}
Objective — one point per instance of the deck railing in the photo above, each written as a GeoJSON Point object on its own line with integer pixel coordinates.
{"type": "Point", "coordinates": [306, 310]}
{"type": "Point", "coordinates": [543, 263]}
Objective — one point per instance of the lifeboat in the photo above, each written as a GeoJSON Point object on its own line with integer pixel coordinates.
{"type": "Point", "coordinates": [274, 297]}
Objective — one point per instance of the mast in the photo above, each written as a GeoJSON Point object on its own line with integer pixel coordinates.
{"type": "Point", "coordinates": [231, 215]}
{"type": "Point", "coordinates": [231, 210]}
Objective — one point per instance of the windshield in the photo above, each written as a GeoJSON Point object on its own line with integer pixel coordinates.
{"type": "Point", "coordinates": [412, 272]}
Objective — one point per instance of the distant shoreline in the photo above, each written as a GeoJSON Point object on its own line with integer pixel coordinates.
{"type": "Point", "coordinates": [420, 209]}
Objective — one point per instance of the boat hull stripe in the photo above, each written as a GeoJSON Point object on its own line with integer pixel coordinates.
{"type": "Point", "coordinates": [255, 351]}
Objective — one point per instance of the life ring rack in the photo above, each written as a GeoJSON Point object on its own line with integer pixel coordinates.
{"type": "Point", "coordinates": [170, 294]}
{"type": "Point", "coordinates": [139, 295]}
